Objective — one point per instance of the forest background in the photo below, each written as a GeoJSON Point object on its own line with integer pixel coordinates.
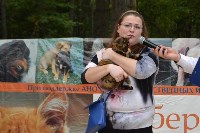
{"type": "Point", "coordinates": [95, 18]}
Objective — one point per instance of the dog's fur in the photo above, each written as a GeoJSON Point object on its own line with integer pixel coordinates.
{"type": "Point", "coordinates": [63, 65]}
{"type": "Point", "coordinates": [120, 46]}
{"type": "Point", "coordinates": [14, 61]}
{"type": "Point", "coordinates": [49, 117]}
{"type": "Point", "coordinates": [48, 59]}
{"type": "Point", "coordinates": [189, 47]}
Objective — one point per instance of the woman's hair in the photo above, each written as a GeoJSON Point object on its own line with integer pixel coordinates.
{"type": "Point", "coordinates": [115, 34]}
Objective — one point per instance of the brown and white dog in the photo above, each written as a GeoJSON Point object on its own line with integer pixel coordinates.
{"type": "Point", "coordinates": [48, 59]}
{"type": "Point", "coordinates": [14, 61]}
{"type": "Point", "coordinates": [49, 117]}
{"type": "Point", "coordinates": [186, 46]}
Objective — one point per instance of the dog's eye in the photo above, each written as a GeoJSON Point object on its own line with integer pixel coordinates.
{"type": "Point", "coordinates": [19, 69]}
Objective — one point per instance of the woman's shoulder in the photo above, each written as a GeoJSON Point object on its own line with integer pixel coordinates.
{"type": "Point", "coordinates": [148, 52]}
{"type": "Point", "coordinates": [99, 54]}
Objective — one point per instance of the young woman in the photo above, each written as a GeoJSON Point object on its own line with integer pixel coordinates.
{"type": "Point", "coordinates": [128, 111]}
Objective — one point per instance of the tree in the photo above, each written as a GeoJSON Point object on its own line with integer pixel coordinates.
{"type": "Point", "coordinates": [39, 19]}
{"type": "Point", "coordinates": [95, 18]}
{"type": "Point", "coordinates": [3, 19]}
{"type": "Point", "coordinates": [107, 13]}
{"type": "Point", "coordinates": [171, 18]}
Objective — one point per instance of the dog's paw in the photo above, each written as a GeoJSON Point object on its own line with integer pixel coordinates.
{"type": "Point", "coordinates": [46, 72]}
{"type": "Point", "coordinates": [55, 78]}
{"type": "Point", "coordinates": [64, 79]}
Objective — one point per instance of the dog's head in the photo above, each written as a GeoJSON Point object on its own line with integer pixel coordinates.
{"type": "Point", "coordinates": [14, 61]}
{"type": "Point", "coordinates": [120, 45]}
{"type": "Point", "coordinates": [49, 117]}
{"type": "Point", "coordinates": [63, 46]}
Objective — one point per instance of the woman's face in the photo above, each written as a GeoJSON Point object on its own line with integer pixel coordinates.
{"type": "Point", "coordinates": [130, 27]}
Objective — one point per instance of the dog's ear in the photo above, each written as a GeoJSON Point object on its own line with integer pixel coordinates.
{"type": "Point", "coordinates": [59, 45]}
{"type": "Point", "coordinates": [54, 109]}
{"type": "Point", "coordinates": [24, 48]}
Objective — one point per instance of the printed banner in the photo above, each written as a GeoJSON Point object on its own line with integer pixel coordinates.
{"type": "Point", "coordinates": [40, 86]}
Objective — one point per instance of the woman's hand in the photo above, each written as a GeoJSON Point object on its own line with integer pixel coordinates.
{"type": "Point", "coordinates": [117, 72]}
{"type": "Point", "coordinates": [167, 53]}
{"type": "Point", "coordinates": [107, 53]}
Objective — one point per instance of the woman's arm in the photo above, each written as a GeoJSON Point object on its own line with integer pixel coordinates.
{"type": "Point", "coordinates": [187, 63]}
{"type": "Point", "coordinates": [127, 64]}
{"type": "Point", "coordinates": [139, 69]}
{"type": "Point", "coordinates": [93, 72]}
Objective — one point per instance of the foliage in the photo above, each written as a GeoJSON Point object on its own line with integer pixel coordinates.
{"type": "Point", "coordinates": [171, 18]}
{"type": "Point", "coordinates": [82, 18]}
{"type": "Point", "coordinates": [82, 13]}
{"type": "Point", "coordinates": [47, 18]}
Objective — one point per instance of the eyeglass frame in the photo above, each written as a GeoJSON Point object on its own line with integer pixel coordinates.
{"type": "Point", "coordinates": [130, 26]}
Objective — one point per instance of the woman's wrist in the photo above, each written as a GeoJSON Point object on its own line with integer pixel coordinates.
{"type": "Point", "coordinates": [177, 58]}
{"type": "Point", "coordinates": [111, 54]}
{"type": "Point", "coordinates": [109, 66]}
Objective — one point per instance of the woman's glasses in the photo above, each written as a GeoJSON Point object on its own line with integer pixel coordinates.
{"type": "Point", "coordinates": [130, 26]}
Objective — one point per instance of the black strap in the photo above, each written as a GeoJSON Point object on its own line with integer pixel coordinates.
{"type": "Point", "coordinates": [99, 98]}
{"type": "Point", "coordinates": [108, 95]}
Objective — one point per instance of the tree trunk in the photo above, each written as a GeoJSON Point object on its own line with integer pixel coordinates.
{"type": "Point", "coordinates": [3, 19]}
{"type": "Point", "coordinates": [106, 14]}
{"type": "Point", "coordinates": [120, 6]}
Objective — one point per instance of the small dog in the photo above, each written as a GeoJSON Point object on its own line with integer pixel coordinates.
{"type": "Point", "coordinates": [49, 57]}
{"type": "Point", "coordinates": [120, 46]}
{"type": "Point", "coordinates": [49, 117]}
{"type": "Point", "coordinates": [63, 65]}
{"type": "Point", "coordinates": [14, 61]}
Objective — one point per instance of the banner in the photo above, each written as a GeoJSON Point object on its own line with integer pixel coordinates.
{"type": "Point", "coordinates": [40, 86]}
